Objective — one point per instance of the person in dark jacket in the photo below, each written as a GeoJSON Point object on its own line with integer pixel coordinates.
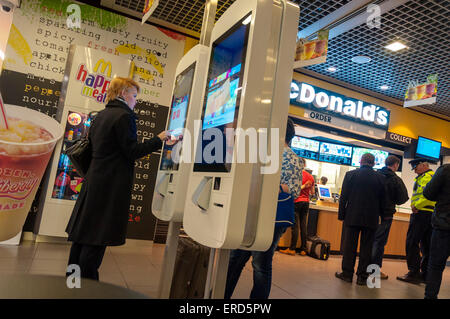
{"type": "Point", "coordinates": [100, 216]}
{"type": "Point", "coordinates": [361, 204]}
{"type": "Point", "coordinates": [396, 194]}
{"type": "Point", "coordinates": [438, 189]}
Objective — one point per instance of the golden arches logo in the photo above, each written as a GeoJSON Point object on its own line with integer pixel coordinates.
{"type": "Point", "coordinates": [103, 65]}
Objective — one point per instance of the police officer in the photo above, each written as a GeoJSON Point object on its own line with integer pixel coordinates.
{"type": "Point", "coordinates": [418, 237]}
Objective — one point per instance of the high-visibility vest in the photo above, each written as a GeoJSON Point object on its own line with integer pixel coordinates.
{"type": "Point", "coordinates": [417, 199]}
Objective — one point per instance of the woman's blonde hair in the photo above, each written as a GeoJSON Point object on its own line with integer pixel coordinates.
{"type": "Point", "coordinates": [117, 85]}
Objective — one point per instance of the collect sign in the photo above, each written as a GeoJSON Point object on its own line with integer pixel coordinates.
{"type": "Point", "coordinates": [318, 99]}
{"type": "Point", "coordinates": [397, 138]}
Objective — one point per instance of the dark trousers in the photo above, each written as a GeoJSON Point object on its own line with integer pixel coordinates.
{"type": "Point", "coordinates": [88, 257]}
{"type": "Point", "coordinates": [381, 238]}
{"type": "Point", "coordinates": [301, 214]}
{"type": "Point", "coordinates": [418, 240]}
{"type": "Point", "coordinates": [350, 245]}
{"type": "Point", "coordinates": [439, 252]}
{"type": "Point", "coordinates": [262, 268]}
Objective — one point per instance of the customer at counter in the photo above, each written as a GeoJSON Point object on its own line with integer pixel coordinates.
{"type": "Point", "coordinates": [438, 189]}
{"type": "Point", "coordinates": [418, 237]}
{"type": "Point", "coordinates": [323, 180]}
{"type": "Point", "coordinates": [301, 212]}
{"type": "Point", "coordinates": [360, 206]}
{"type": "Point", "coordinates": [396, 194]}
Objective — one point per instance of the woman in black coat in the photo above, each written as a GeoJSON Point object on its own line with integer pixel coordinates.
{"type": "Point", "coordinates": [100, 215]}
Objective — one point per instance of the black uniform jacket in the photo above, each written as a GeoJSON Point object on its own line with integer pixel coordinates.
{"type": "Point", "coordinates": [362, 199]}
{"type": "Point", "coordinates": [100, 215]}
{"type": "Point", "coordinates": [438, 189]}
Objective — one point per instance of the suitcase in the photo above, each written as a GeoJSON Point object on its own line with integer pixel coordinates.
{"type": "Point", "coordinates": [191, 269]}
{"type": "Point", "coordinates": [318, 248]}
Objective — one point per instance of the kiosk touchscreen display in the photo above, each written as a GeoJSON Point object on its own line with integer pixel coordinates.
{"type": "Point", "coordinates": [222, 100]}
{"type": "Point", "coordinates": [177, 120]}
{"type": "Point", "coordinates": [380, 156]}
{"type": "Point", "coordinates": [305, 147]}
{"type": "Point", "coordinates": [335, 153]}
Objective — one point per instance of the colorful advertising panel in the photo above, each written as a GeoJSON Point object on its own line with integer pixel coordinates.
{"type": "Point", "coordinates": [312, 52]}
{"type": "Point", "coordinates": [421, 93]}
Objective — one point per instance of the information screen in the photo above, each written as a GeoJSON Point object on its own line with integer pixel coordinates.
{"type": "Point", "coordinates": [335, 153]}
{"type": "Point", "coordinates": [428, 148]}
{"type": "Point", "coordinates": [177, 120]}
{"type": "Point", "coordinates": [222, 100]}
{"type": "Point", "coordinates": [305, 147]}
{"type": "Point", "coordinates": [380, 156]}
{"type": "Point", "coordinates": [324, 191]}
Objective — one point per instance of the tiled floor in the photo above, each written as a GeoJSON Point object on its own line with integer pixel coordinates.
{"type": "Point", "coordinates": [137, 266]}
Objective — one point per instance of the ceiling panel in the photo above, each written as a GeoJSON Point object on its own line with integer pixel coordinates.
{"type": "Point", "coordinates": [423, 25]}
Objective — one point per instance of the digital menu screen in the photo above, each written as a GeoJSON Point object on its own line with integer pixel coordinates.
{"type": "Point", "coordinates": [335, 153]}
{"type": "Point", "coordinates": [305, 147]}
{"type": "Point", "coordinates": [222, 100]}
{"type": "Point", "coordinates": [178, 114]}
{"type": "Point", "coordinates": [380, 156]}
{"type": "Point", "coordinates": [428, 148]}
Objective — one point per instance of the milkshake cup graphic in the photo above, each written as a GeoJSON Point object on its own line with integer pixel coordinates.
{"type": "Point", "coordinates": [25, 150]}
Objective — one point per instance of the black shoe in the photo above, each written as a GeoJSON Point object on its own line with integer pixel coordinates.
{"type": "Point", "coordinates": [341, 276]}
{"type": "Point", "coordinates": [412, 278]}
{"type": "Point", "coordinates": [362, 281]}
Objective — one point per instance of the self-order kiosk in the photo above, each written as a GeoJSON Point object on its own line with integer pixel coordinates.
{"type": "Point", "coordinates": [231, 203]}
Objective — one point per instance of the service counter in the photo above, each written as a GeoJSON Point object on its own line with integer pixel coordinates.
{"type": "Point", "coordinates": [330, 228]}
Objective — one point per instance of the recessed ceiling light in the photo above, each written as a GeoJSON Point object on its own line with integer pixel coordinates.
{"type": "Point", "coordinates": [2, 55]}
{"type": "Point", "coordinates": [332, 69]}
{"type": "Point", "coordinates": [361, 59]}
{"type": "Point", "coordinates": [395, 46]}
{"type": "Point", "coordinates": [384, 87]}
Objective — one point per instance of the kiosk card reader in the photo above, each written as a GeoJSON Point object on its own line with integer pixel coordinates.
{"type": "Point", "coordinates": [230, 202]}
{"type": "Point", "coordinates": [172, 178]}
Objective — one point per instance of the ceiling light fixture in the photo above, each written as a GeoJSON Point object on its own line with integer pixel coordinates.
{"type": "Point", "coordinates": [361, 59]}
{"type": "Point", "coordinates": [395, 46]}
{"type": "Point", "coordinates": [331, 69]}
{"type": "Point", "coordinates": [2, 55]}
{"type": "Point", "coordinates": [384, 87]}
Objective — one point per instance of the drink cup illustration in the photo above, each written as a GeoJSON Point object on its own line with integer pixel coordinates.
{"type": "Point", "coordinates": [430, 89]}
{"type": "Point", "coordinates": [25, 150]}
{"type": "Point", "coordinates": [412, 93]}
{"type": "Point", "coordinates": [308, 50]}
{"type": "Point", "coordinates": [420, 91]}
{"type": "Point", "coordinates": [321, 47]}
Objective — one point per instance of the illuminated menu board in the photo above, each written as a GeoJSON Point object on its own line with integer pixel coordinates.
{"type": "Point", "coordinates": [335, 153]}
{"type": "Point", "coordinates": [305, 147]}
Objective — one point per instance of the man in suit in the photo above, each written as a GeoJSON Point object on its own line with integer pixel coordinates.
{"type": "Point", "coordinates": [360, 206]}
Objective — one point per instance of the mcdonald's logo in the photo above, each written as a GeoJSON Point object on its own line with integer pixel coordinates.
{"type": "Point", "coordinates": [103, 65]}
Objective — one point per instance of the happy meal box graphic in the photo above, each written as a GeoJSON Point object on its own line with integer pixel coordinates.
{"type": "Point", "coordinates": [421, 94]}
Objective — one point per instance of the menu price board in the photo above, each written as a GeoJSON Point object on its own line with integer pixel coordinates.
{"type": "Point", "coordinates": [305, 147]}
{"type": "Point", "coordinates": [335, 153]}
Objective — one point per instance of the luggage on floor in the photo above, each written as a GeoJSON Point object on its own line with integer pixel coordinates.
{"type": "Point", "coordinates": [191, 268]}
{"type": "Point", "coordinates": [317, 247]}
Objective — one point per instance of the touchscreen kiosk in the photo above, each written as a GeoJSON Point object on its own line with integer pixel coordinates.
{"type": "Point", "coordinates": [324, 192]}
{"type": "Point", "coordinates": [230, 203]}
{"type": "Point", "coordinates": [173, 173]}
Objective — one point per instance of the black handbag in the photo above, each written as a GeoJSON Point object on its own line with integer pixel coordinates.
{"type": "Point", "coordinates": [80, 153]}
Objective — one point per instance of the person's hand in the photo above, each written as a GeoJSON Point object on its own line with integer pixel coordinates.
{"type": "Point", "coordinates": [164, 135]}
{"type": "Point", "coordinates": [414, 209]}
